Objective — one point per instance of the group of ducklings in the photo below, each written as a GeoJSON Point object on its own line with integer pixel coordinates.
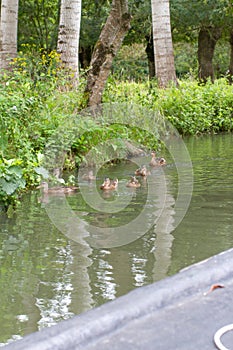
{"type": "Point", "coordinates": [108, 184]}
{"type": "Point", "coordinates": [141, 171]}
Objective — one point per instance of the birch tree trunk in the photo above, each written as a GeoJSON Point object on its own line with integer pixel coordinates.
{"type": "Point", "coordinates": [109, 42]}
{"type": "Point", "coordinates": [8, 32]}
{"type": "Point", "coordinates": [162, 39]}
{"type": "Point", "coordinates": [207, 40]}
{"type": "Point", "coordinates": [68, 35]}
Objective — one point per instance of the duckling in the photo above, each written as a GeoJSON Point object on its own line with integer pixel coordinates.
{"type": "Point", "coordinates": [109, 184]}
{"type": "Point", "coordinates": [105, 184]}
{"type": "Point", "coordinates": [114, 184]}
{"type": "Point", "coordinates": [133, 182]}
{"type": "Point", "coordinates": [142, 171]}
{"type": "Point", "coordinates": [56, 190]}
{"type": "Point", "coordinates": [156, 161]}
{"type": "Point", "coordinates": [89, 177]}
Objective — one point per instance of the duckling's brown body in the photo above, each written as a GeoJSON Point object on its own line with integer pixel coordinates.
{"type": "Point", "coordinates": [133, 182]}
{"type": "Point", "coordinates": [156, 161]}
{"type": "Point", "coordinates": [142, 171]}
{"type": "Point", "coordinates": [109, 184]}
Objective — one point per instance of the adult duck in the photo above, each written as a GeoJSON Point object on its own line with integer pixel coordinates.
{"type": "Point", "coordinates": [109, 184]}
{"type": "Point", "coordinates": [56, 190]}
{"type": "Point", "coordinates": [156, 161]}
{"type": "Point", "coordinates": [142, 171]}
{"type": "Point", "coordinates": [133, 182]}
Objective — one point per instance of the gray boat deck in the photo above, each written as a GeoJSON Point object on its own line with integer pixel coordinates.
{"type": "Point", "coordinates": [180, 312]}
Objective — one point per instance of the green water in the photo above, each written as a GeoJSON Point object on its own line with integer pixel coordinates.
{"type": "Point", "coordinates": [47, 275]}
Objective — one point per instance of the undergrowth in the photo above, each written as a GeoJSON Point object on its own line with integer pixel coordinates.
{"type": "Point", "coordinates": [36, 99]}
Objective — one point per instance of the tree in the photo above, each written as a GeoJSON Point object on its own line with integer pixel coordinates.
{"type": "Point", "coordinates": [8, 32]}
{"type": "Point", "coordinates": [205, 21]}
{"type": "Point", "coordinates": [109, 42]}
{"type": "Point", "coordinates": [68, 36]}
{"type": "Point", "coordinates": [207, 40]}
{"type": "Point", "coordinates": [162, 40]}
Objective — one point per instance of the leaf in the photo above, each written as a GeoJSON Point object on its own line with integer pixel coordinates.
{"type": "Point", "coordinates": [213, 287]}
{"type": "Point", "coordinates": [8, 187]}
{"type": "Point", "coordinates": [40, 157]}
{"type": "Point", "coordinates": [16, 170]}
{"type": "Point", "coordinates": [114, 147]}
{"type": "Point", "coordinates": [42, 171]}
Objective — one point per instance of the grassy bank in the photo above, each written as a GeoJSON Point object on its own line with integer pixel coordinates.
{"type": "Point", "coordinates": [36, 100]}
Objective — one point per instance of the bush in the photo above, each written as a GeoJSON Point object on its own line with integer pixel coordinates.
{"type": "Point", "coordinates": [36, 100]}
{"type": "Point", "coordinates": [191, 108]}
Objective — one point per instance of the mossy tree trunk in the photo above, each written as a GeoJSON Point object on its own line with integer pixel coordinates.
{"type": "Point", "coordinates": [109, 42]}
{"type": "Point", "coordinates": [207, 40]}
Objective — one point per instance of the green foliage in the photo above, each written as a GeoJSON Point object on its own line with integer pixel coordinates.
{"type": "Point", "coordinates": [11, 180]}
{"type": "Point", "coordinates": [189, 15]}
{"type": "Point", "coordinates": [194, 109]}
{"type": "Point", "coordinates": [30, 110]}
{"type": "Point", "coordinates": [118, 134]}
{"type": "Point", "coordinates": [141, 21]}
{"type": "Point", "coordinates": [90, 29]}
{"type": "Point", "coordinates": [191, 108]}
{"type": "Point", "coordinates": [38, 23]}
{"type": "Point", "coordinates": [37, 104]}
{"type": "Point", "coordinates": [128, 67]}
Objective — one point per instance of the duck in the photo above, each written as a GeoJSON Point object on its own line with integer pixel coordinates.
{"type": "Point", "coordinates": [56, 190]}
{"type": "Point", "coordinates": [109, 184]}
{"type": "Point", "coordinates": [156, 161]}
{"type": "Point", "coordinates": [142, 171]}
{"type": "Point", "coordinates": [133, 182]}
{"type": "Point", "coordinates": [89, 176]}
{"type": "Point", "coordinates": [105, 184]}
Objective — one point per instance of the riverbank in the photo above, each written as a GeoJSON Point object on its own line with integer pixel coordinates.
{"type": "Point", "coordinates": [34, 107]}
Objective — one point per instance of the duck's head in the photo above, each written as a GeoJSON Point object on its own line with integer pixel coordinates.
{"type": "Point", "coordinates": [162, 161]}
{"type": "Point", "coordinates": [44, 186]}
{"type": "Point", "coordinates": [153, 154]}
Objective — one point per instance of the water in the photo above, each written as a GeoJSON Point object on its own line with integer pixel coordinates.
{"type": "Point", "coordinates": [47, 276]}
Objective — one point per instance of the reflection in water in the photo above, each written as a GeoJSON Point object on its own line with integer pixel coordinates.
{"type": "Point", "coordinates": [164, 239]}
{"type": "Point", "coordinates": [47, 276]}
{"type": "Point", "coordinates": [76, 231]}
{"type": "Point", "coordinates": [207, 228]}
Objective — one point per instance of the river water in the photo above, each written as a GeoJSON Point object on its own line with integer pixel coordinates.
{"type": "Point", "coordinates": [54, 266]}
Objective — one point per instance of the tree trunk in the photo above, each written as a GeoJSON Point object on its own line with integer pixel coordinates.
{"type": "Point", "coordinates": [207, 40]}
{"type": "Point", "coordinates": [150, 56]}
{"type": "Point", "coordinates": [68, 36]}
{"type": "Point", "coordinates": [231, 58]}
{"type": "Point", "coordinates": [109, 42]}
{"type": "Point", "coordinates": [162, 39]}
{"type": "Point", "coordinates": [8, 32]}
{"type": "Point", "coordinates": [85, 56]}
